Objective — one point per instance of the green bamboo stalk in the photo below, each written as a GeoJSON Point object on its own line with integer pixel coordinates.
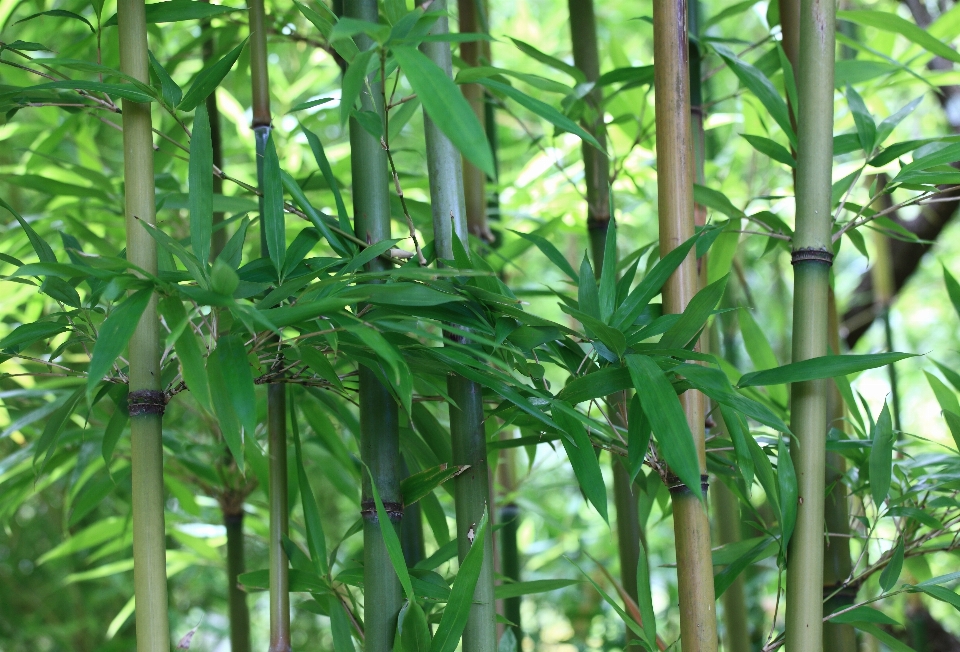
{"type": "Point", "coordinates": [411, 529]}
{"type": "Point", "coordinates": [698, 618]}
{"type": "Point", "coordinates": [474, 180]}
{"type": "Point", "coordinates": [836, 551]}
{"type": "Point", "coordinates": [812, 256]}
{"type": "Point", "coordinates": [219, 237]}
{"type": "Point", "coordinates": [509, 517]}
{"type": "Point", "coordinates": [276, 394]}
{"type": "Point", "coordinates": [379, 416]}
{"type": "Point", "coordinates": [237, 597]}
{"type": "Point", "coordinates": [146, 398]}
{"type": "Point", "coordinates": [472, 488]}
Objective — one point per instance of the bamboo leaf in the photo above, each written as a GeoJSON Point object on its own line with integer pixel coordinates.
{"type": "Point", "coordinates": [419, 485]}
{"type": "Point", "coordinates": [714, 384]}
{"type": "Point", "coordinates": [59, 13]}
{"type": "Point", "coordinates": [863, 615]}
{"type": "Point", "coordinates": [339, 624]}
{"type": "Point", "coordinates": [694, 316]}
{"type": "Point", "coordinates": [716, 200]}
{"type": "Point", "coordinates": [765, 475]}
{"type": "Point", "coordinates": [738, 435]}
{"type": "Point", "coordinates": [579, 450]}
{"type": "Point", "coordinates": [890, 22]}
{"type": "Point", "coordinates": [170, 91]}
{"type": "Point", "coordinates": [627, 313]}
{"type": "Point", "coordinates": [553, 62]}
{"type": "Point", "coordinates": [953, 287]}
{"type": "Point", "coordinates": [316, 540]}
{"type": "Point", "coordinates": [608, 275]}
{"type": "Point", "coordinates": [123, 91]}
{"type": "Point", "coordinates": [551, 252]}
{"type": "Point", "coordinates": [209, 78]}
{"type": "Point", "coordinates": [201, 185]}
{"type": "Point", "coordinates": [828, 366]}
{"type": "Point", "coordinates": [944, 156]}
{"type": "Point", "coordinates": [667, 419]}
{"type": "Point", "coordinates": [543, 110]}
{"type": "Point", "coordinates": [894, 644]}
{"type": "Point", "coordinates": [455, 615]}
{"type": "Point", "coordinates": [227, 419]}
{"type": "Point", "coordinates": [189, 261]}
{"type": "Point", "coordinates": [881, 456]}
{"type": "Point", "coordinates": [273, 218]}
{"type": "Point", "coordinates": [353, 83]}
{"type": "Point", "coordinates": [760, 352]}
{"type": "Point", "coordinates": [771, 148]}
{"type": "Point", "coordinates": [189, 352]}
{"type": "Point", "coordinates": [726, 577]}
{"type": "Point", "coordinates": [787, 486]}
{"type": "Point", "coordinates": [940, 593]}
{"type": "Point", "coordinates": [890, 574]}
{"type": "Point", "coordinates": [114, 334]}
{"type": "Point", "coordinates": [644, 598]}
{"type": "Point", "coordinates": [47, 444]}
{"type": "Point", "coordinates": [392, 542]}
{"type": "Point", "coordinates": [40, 246]}
{"type": "Point", "coordinates": [866, 126]}
{"type": "Point", "coordinates": [446, 106]}
{"type": "Point", "coordinates": [26, 334]}
{"type": "Point", "coordinates": [638, 437]}
{"type": "Point", "coordinates": [320, 156]}
{"type": "Point", "coordinates": [116, 424]}
{"type": "Point", "coordinates": [414, 633]}
{"type": "Point", "coordinates": [517, 589]}
{"type": "Point", "coordinates": [587, 294]}
{"type": "Point", "coordinates": [761, 87]}
{"type": "Point", "coordinates": [888, 124]}
{"type": "Point", "coordinates": [175, 11]}
{"type": "Point", "coordinates": [239, 380]}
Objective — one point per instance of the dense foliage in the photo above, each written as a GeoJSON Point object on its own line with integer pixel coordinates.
{"type": "Point", "coordinates": [278, 290]}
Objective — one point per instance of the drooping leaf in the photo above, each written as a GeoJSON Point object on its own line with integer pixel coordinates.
{"type": "Point", "coordinates": [114, 334]}
{"type": "Point", "coordinates": [227, 419]}
{"type": "Point", "coordinates": [662, 407]}
{"type": "Point", "coordinates": [321, 158]}
{"type": "Point", "coordinates": [517, 589]}
{"type": "Point", "coordinates": [579, 450]}
{"type": "Point", "coordinates": [881, 456]}
{"type": "Point", "coordinates": [316, 540]}
{"type": "Point", "coordinates": [170, 91]}
{"type": "Point", "coordinates": [352, 84]}
{"type": "Point", "coordinates": [273, 216]}
{"type": "Point", "coordinates": [414, 633]}
{"type": "Point", "coordinates": [201, 185]}
{"type": "Point", "coordinates": [760, 352]}
{"type": "Point", "coordinates": [787, 485]}
{"type": "Point", "coordinates": [828, 366]}
{"type": "Point", "coordinates": [188, 351]}
{"type": "Point", "coordinates": [644, 597]}
{"type": "Point", "coordinates": [392, 542]}
{"type": "Point", "coordinates": [455, 615]}
{"type": "Point", "coordinates": [551, 252]}
{"type": "Point", "coordinates": [890, 22]}
{"type": "Point", "coordinates": [209, 78]}
{"type": "Point", "coordinates": [890, 574]}
{"type": "Point", "coordinates": [651, 285]}
{"type": "Point", "coordinates": [239, 379]}
{"type": "Point", "coordinates": [175, 11]}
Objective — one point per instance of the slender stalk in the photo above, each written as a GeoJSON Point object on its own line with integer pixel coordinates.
{"type": "Point", "coordinates": [237, 598]}
{"type": "Point", "coordinates": [468, 439]}
{"type": "Point", "coordinates": [379, 417]}
{"type": "Point", "coordinates": [698, 618]}
{"type": "Point", "coordinates": [812, 253]}
{"type": "Point", "coordinates": [836, 552]}
{"type": "Point", "coordinates": [883, 291]}
{"type": "Point", "coordinates": [735, 618]}
{"type": "Point", "coordinates": [219, 239]}
{"type": "Point", "coordinates": [276, 394]}
{"type": "Point", "coordinates": [474, 180]}
{"type": "Point", "coordinates": [146, 398]}
{"type": "Point", "coordinates": [509, 551]}
{"type": "Point", "coordinates": [583, 33]}
{"type": "Point", "coordinates": [411, 528]}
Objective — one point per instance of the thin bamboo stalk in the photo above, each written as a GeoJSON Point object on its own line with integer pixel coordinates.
{"type": "Point", "coordinates": [468, 439]}
{"type": "Point", "coordinates": [146, 398]}
{"type": "Point", "coordinates": [474, 180]}
{"type": "Point", "coordinates": [698, 623]}
{"type": "Point", "coordinates": [812, 254]}
{"type": "Point", "coordinates": [276, 394]}
{"type": "Point", "coordinates": [509, 516]}
{"type": "Point", "coordinates": [237, 597]}
{"type": "Point", "coordinates": [379, 417]}
{"type": "Point", "coordinates": [836, 552]}
{"type": "Point", "coordinates": [219, 238]}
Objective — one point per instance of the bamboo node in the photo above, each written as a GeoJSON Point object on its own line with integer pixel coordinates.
{"type": "Point", "coordinates": [146, 401]}
{"type": "Point", "coordinates": [394, 511]}
{"type": "Point", "coordinates": [676, 486]}
{"type": "Point", "coordinates": [811, 254]}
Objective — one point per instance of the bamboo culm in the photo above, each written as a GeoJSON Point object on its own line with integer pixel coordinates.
{"type": "Point", "coordinates": [236, 597]}
{"type": "Point", "coordinates": [474, 180]}
{"type": "Point", "coordinates": [698, 618]}
{"type": "Point", "coordinates": [276, 394]}
{"type": "Point", "coordinates": [468, 438]}
{"type": "Point", "coordinates": [145, 396]}
{"type": "Point", "coordinates": [812, 255]}
{"type": "Point", "coordinates": [379, 415]}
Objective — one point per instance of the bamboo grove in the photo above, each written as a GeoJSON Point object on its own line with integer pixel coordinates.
{"type": "Point", "coordinates": [344, 326]}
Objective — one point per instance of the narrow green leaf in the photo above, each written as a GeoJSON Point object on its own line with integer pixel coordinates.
{"type": "Point", "coordinates": [864, 615]}
{"type": "Point", "coordinates": [170, 91]}
{"type": "Point", "coordinates": [123, 91]}
{"type": "Point", "coordinates": [517, 589]}
{"type": "Point", "coordinates": [638, 436]}
{"type": "Point", "coordinates": [866, 126]}
{"type": "Point", "coordinates": [894, 644]}
{"type": "Point", "coordinates": [716, 200]}
{"type": "Point", "coordinates": [419, 485]}
{"type": "Point", "coordinates": [890, 574]}
{"type": "Point", "coordinates": [553, 62]}
{"type": "Point", "coordinates": [771, 148]}
{"type": "Point", "coordinates": [828, 366]}
{"type": "Point", "coordinates": [116, 424]}
{"type": "Point", "coordinates": [890, 22]}
{"type": "Point", "coordinates": [189, 351]}
{"type": "Point", "coordinates": [414, 633]}
{"type": "Point", "coordinates": [881, 456]}
{"type": "Point", "coordinates": [316, 540]}
{"type": "Point", "coordinates": [239, 380]}
{"type": "Point", "coordinates": [54, 425]}
{"type": "Point", "coordinates": [339, 624]}
{"type": "Point", "coordinates": [760, 352]}
{"type": "Point", "coordinates": [662, 407]}
{"type": "Point", "coordinates": [787, 486]}
{"type": "Point", "coordinates": [579, 450]}
{"type": "Point", "coordinates": [114, 334]}
{"type": "Point", "coordinates": [714, 384]}
{"type": "Point", "coordinates": [608, 275]}
{"type": "Point", "coordinates": [446, 106]}
{"type": "Point", "coordinates": [40, 246]}
{"type": "Point", "coordinates": [273, 218]}
{"type": "Point", "coordinates": [726, 577]}
{"type": "Point", "coordinates": [201, 185]}
{"type": "Point", "coordinates": [320, 156]}
{"type": "Point", "coordinates": [227, 419]}
{"type": "Point", "coordinates": [551, 252]}
{"type": "Point", "coordinates": [694, 317]}
{"type": "Point", "coordinates": [26, 334]}
{"type": "Point", "coordinates": [392, 542]}
{"type": "Point", "coordinates": [587, 294]}
{"type": "Point", "coordinates": [644, 598]}
{"type": "Point", "coordinates": [209, 78]}
{"type": "Point", "coordinates": [175, 11]}
{"type": "Point", "coordinates": [953, 287]}
{"type": "Point", "coordinates": [353, 83]}
{"type": "Point", "coordinates": [651, 285]}
{"type": "Point", "coordinates": [455, 615]}
{"type": "Point", "coordinates": [738, 435]}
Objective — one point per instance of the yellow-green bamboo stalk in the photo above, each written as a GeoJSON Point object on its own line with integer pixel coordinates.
{"type": "Point", "coordinates": [812, 256]}
{"type": "Point", "coordinates": [698, 617]}
{"type": "Point", "coordinates": [474, 179]}
{"type": "Point", "coordinates": [145, 397]}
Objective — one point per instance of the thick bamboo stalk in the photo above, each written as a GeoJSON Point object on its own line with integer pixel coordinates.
{"type": "Point", "coordinates": [698, 623]}
{"type": "Point", "coordinates": [411, 528]}
{"type": "Point", "coordinates": [468, 439]}
{"type": "Point", "coordinates": [379, 418]}
{"type": "Point", "coordinates": [146, 398]}
{"type": "Point", "coordinates": [237, 597]}
{"type": "Point", "coordinates": [836, 552]}
{"type": "Point", "coordinates": [812, 255]}
{"type": "Point", "coordinates": [474, 180]}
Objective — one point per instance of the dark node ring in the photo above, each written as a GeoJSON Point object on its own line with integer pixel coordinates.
{"type": "Point", "coordinates": [812, 255]}
{"type": "Point", "coordinates": [394, 510]}
{"type": "Point", "coordinates": [844, 597]}
{"type": "Point", "coordinates": [146, 401]}
{"type": "Point", "coordinates": [677, 487]}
